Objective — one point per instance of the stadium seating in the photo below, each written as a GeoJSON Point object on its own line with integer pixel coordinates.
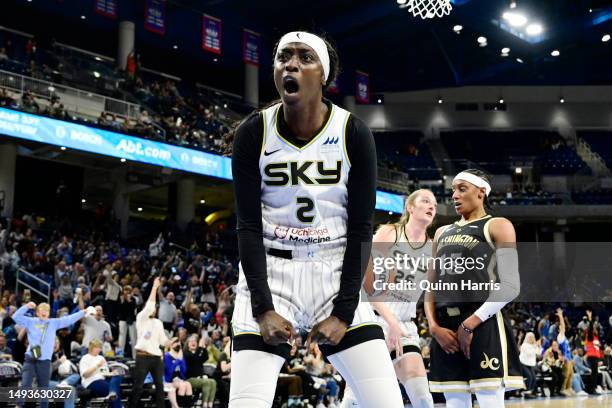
{"type": "Point", "coordinates": [545, 149]}
{"type": "Point", "coordinates": [593, 197]}
{"type": "Point", "coordinates": [600, 142]}
{"type": "Point", "coordinates": [404, 151]}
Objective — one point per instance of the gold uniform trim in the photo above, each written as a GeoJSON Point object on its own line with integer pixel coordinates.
{"type": "Point", "coordinates": [465, 391]}
{"type": "Point", "coordinates": [465, 383]}
{"type": "Point", "coordinates": [484, 380]}
{"type": "Point", "coordinates": [461, 224]}
{"type": "Point", "coordinates": [487, 234]}
{"type": "Point", "coordinates": [502, 341]}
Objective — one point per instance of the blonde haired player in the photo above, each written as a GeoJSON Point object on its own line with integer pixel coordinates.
{"type": "Point", "coordinates": [396, 309]}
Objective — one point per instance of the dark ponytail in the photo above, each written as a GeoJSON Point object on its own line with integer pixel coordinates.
{"type": "Point", "coordinates": [229, 136]}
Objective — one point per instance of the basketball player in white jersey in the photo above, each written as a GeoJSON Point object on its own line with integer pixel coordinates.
{"type": "Point", "coordinates": [305, 181]}
{"type": "Point", "coordinates": [397, 308]}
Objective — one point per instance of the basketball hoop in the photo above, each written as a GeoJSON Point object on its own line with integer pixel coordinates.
{"type": "Point", "coordinates": [429, 8]}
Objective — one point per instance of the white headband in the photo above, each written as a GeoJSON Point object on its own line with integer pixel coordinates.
{"type": "Point", "coordinates": [314, 42]}
{"type": "Point", "coordinates": [475, 180]}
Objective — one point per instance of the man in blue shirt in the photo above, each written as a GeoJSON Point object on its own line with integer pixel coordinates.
{"type": "Point", "coordinates": [41, 332]}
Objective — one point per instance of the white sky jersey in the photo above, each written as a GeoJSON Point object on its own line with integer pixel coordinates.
{"type": "Point", "coordinates": [403, 304]}
{"type": "Point", "coordinates": [304, 190]}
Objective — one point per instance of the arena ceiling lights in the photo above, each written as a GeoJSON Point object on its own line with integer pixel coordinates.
{"type": "Point", "coordinates": [519, 24]}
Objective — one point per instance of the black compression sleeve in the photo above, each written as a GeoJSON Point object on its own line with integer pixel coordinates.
{"type": "Point", "coordinates": [361, 202]}
{"type": "Point", "coordinates": [247, 190]}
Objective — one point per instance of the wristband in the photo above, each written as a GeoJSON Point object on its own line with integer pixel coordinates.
{"type": "Point", "coordinates": [465, 329]}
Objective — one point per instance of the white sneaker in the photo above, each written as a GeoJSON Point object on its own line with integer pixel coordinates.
{"type": "Point", "coordinates": [582, 393]}
{"type": "Point", "coordinates": [111, 395]}
{"type": "Point", "coordinates": [599, 390]}
{"type": "Point", "coordinates": [64, 384]}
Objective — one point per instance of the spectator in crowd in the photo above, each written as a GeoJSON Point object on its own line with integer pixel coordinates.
{"type": "Point", "coordinates": [529, 351]}
{"type": "Point", "coordinates": [606, 380]}
{"type": "Point", "coordinates": [96, 328]}
{"type": "Point", "coordinates": [321, 374]}
{"type": "Point", "coordinates": [580, 370]}
{"type": "Point", "coordinates": [65, 290]}
{"type": "Point", "coordinates": [6, 98]}
{"type": "Point", "coordinates": [593, 353]}
{"type": "Point", "coordinates": [5, 351]}
{"type": "Point", "coordinates": [607, 361]}
{"type": "Point", "coordinates": [113, 290]}
{"type": "Point", "coordinates": [192, 318]}
{"type": "Point", "coordinates": [64, 374]}
{"type": "Point", "coordinates": [41, 338]}
{"type": "Point", "coordinates": [127, 320]}
{"type": "Point", "coordinates": [195, 358]}
{"type": "Point", "coordinates": [544, 326]}
{"type": "Point", "coordinates": [151, 337]}
{"type": "Point", "coordinates": [94, 370]}
{"type": "Point", "coordinates": [295, 367]}
{"type": "Point", "coordinates": [214, 357]}
{"type": "Point", "coordinates": [554, 361]}
{"type": "Point", "coordinates": [167, 312]}
{"type": "Point", "coordinates": [223, 374]}
{"type": "Point", "coordinates": [3, 55]}
{"type": "Point", "coordinates": [564, 347]}
{"type": "Point", "coordinates": [28, 103]}
{"type": "Point", "coordinates": [175, 372]}
{"type": "Point", "coordinates": [102, 120]}
{"type": "Point", "coordinates": [62, 369]}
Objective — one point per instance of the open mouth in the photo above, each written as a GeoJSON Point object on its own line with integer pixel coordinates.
{"type": "Point", "coordinates": [457, 205]}
{"type": "Point", "coordinates": [290, 84]}
{"type": "Point", "coordinates": [429, 213]}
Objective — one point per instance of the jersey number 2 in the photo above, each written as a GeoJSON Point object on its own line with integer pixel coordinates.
{"type": "Point", "coordinates": [305, 206]}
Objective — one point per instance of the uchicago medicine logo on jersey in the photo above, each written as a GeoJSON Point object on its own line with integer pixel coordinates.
{"type": "Point", "coordinates": [306, 235]}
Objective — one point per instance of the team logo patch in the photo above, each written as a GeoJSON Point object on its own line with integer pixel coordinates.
{"type": "Point", "coordinates": [331, 140]}
{"type": "Point", "coordinates": [302, 235]}
{"type": "Point", "coordinates": [492, 363]}
{"type": "Point", "coordinates": [281, 232]}
{"type": "Point", "coordinates": [330, 144]}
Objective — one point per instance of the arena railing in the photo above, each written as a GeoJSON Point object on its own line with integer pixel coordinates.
{"type": "Point", "coordinates": [73, 99]}
{"type": "Point", "coordinates": [26, 279]}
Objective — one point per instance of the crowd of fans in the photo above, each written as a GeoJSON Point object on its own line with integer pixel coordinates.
{"type": "Point", "coordinates": [111, 282]}
{"type": "Point", "coordinates": [166, 115]}
{"type": "Point", "coordinates": [562, 354]}
{"type": "Point", "coordinates": [190, 121]}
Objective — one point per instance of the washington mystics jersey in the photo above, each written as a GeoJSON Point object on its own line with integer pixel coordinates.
{"type": "Point", "coordinates": [403, 304]}
{"type": "Point", "coordinates": [304, 189]}
{"type": "Point", "coordinates": [455, 247]}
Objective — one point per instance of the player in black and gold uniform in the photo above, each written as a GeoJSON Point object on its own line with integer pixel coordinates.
{"type": "Point", "coordinates": [474, 273]}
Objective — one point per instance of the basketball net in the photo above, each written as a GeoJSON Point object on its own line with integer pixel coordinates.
{"type": "Point", "coordinates": [429, 8]}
